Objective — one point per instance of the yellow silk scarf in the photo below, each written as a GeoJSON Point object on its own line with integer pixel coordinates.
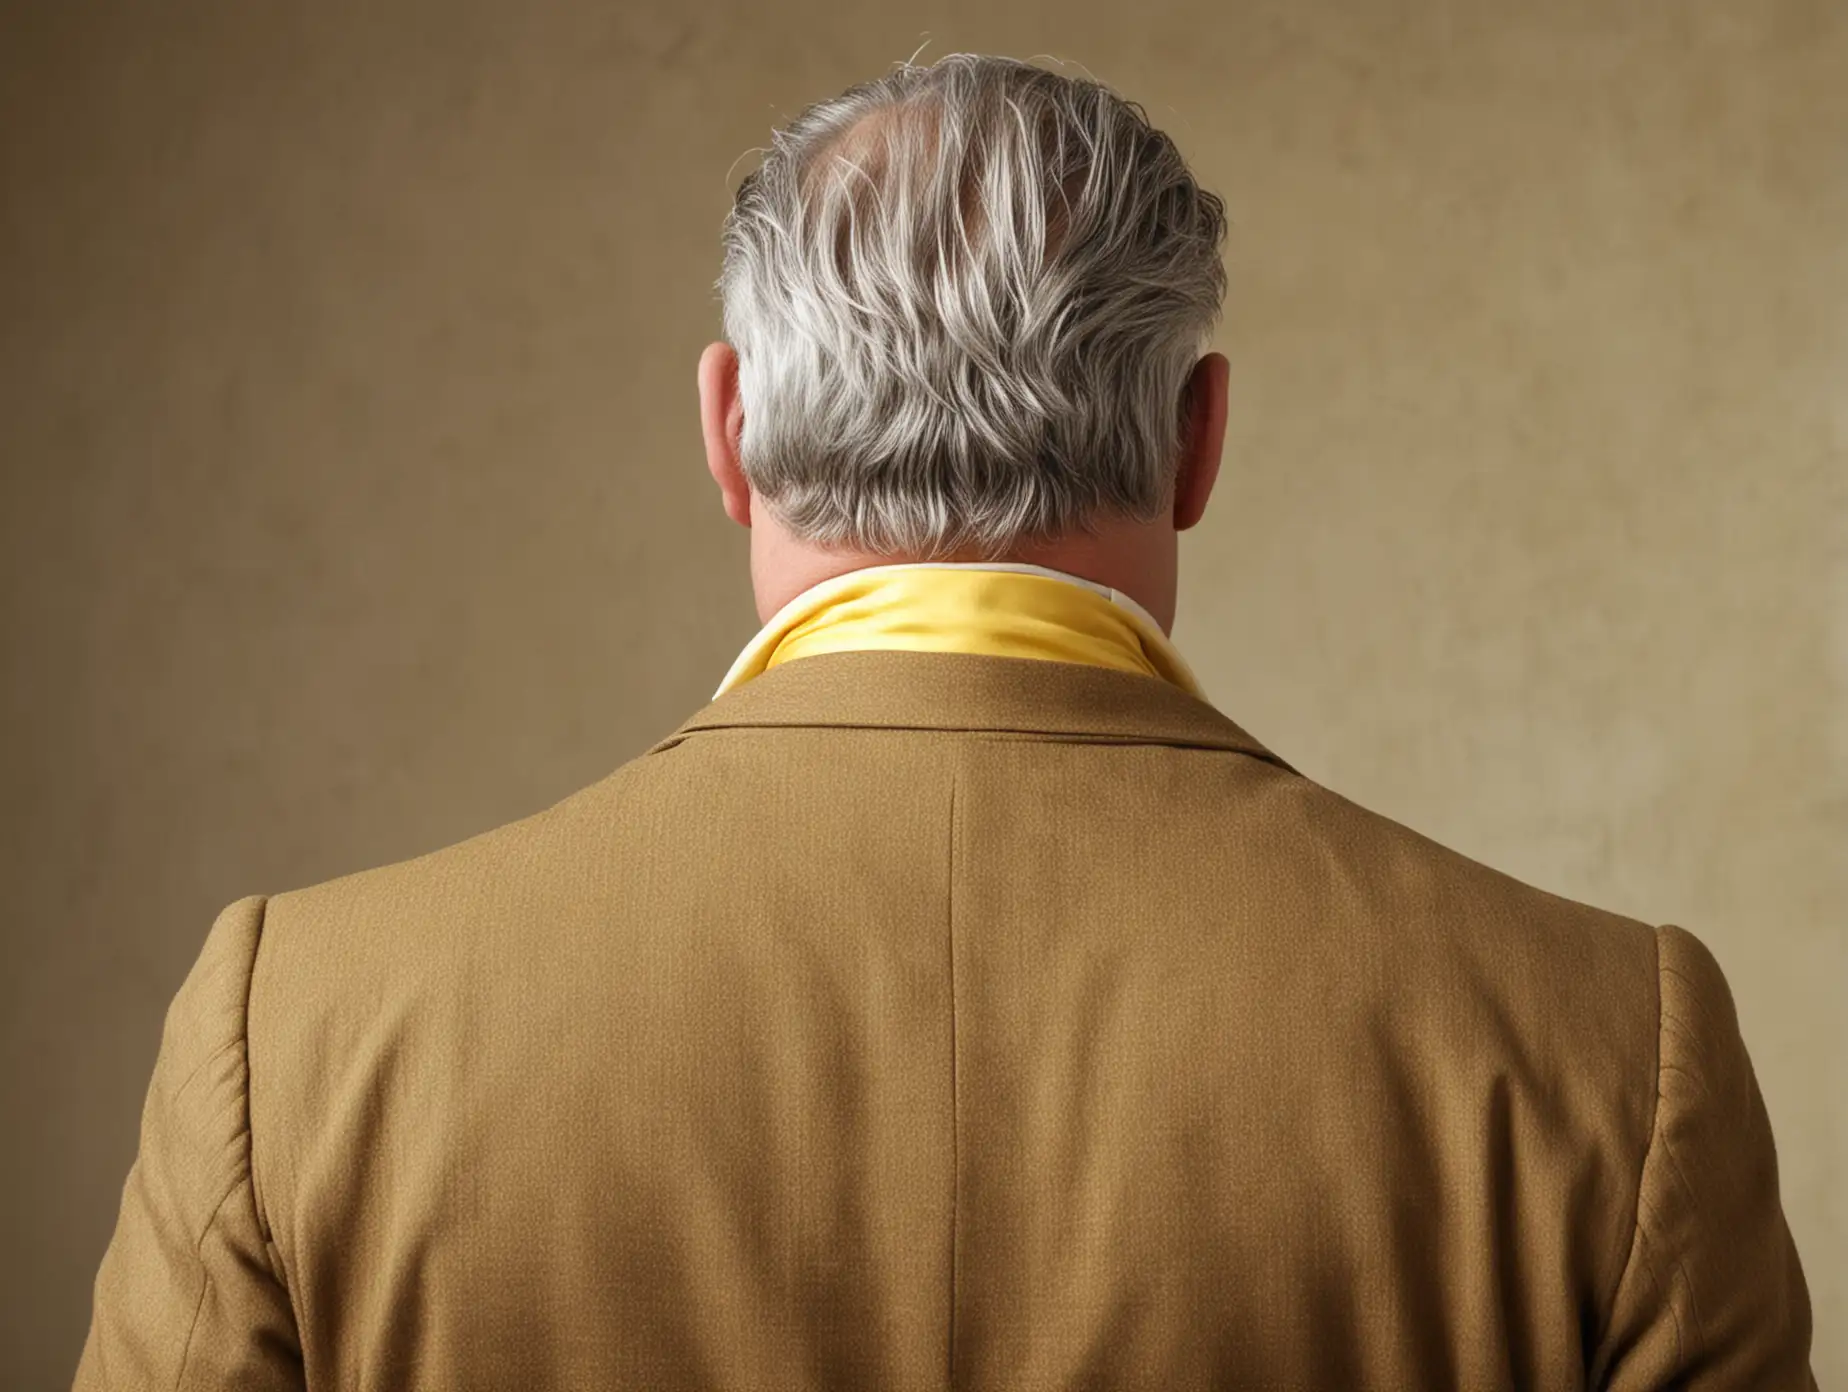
{"type": "Point", "coordinates": [1008, 610]}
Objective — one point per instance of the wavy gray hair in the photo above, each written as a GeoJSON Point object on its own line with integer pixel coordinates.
{"type": "Point", "coordinates": [966, 300]}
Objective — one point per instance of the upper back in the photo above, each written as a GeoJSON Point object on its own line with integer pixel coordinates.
{"type": "Point", "coordinates": [1031, 1029]}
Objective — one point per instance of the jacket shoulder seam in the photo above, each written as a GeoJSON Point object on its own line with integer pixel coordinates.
{"type": "Point", "coordinates": [1638, 1241]}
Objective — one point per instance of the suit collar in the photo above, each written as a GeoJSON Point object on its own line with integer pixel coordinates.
{"type": "Point", "coordinates": [887, 689]}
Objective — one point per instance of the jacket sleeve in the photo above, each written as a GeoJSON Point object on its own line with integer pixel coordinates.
{"type": "Point", "coordinates": [190, 1293]}
{"type": "Point", "coordinates": [1712, 1296]}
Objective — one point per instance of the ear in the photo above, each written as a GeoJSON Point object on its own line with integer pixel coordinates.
{"type": "Point", "coordinates": [1203, 440]}
{"type": "Point", "coordinates": [721, 424]}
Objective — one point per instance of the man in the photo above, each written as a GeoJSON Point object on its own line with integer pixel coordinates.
{"type": "Point", "coordinates": [958, 999]}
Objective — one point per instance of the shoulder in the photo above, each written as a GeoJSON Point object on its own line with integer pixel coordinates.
{"type": "Point", "coordinates": [451, 876]}
{"type": "Point", "coordinates": [196, 1106]}
{"type": "Point", "coordinates": [1430, 901]}
{"type": "Point", "coordinates": [328, 948]}
{"type": "Point", "coordinates": [1472, 971]}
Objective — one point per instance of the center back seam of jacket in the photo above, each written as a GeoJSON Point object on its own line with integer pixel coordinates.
{"type": "Point", "coordinates": [955, 1145]}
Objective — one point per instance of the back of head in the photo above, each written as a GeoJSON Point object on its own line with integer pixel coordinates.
{"type": "Point", "coordinates": [966, 300]}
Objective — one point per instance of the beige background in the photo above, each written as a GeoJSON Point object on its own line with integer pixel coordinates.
{"type": "Point", "coordinates": [353, 498]}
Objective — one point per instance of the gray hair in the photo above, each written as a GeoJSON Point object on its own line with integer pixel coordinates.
{"type": "Point", "coordinates": [966, 300]}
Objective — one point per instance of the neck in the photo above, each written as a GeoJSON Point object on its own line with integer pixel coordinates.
{"type": "Point", "coordinates": [1137, 558]}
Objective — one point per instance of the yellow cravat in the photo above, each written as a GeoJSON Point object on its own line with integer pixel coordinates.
{"type": "Point", "coordinates": [1008, 610]}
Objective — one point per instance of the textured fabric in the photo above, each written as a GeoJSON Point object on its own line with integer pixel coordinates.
{"type": "Point", "coordinates": [1003, 609]}
{"type": "Point", "coordinates": [939, 1020]}
{"type": "Point", "coordinates": [190, 1293]}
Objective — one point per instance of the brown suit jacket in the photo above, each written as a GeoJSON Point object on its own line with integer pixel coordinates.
{"type": "Point", "coordinates": [928, 1020]}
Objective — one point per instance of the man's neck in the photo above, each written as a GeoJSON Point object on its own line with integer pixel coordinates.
{"type": "Point", "coordinates": [1136, 558]}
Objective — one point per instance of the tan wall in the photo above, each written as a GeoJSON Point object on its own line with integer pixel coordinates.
{"type": "Point", "coordinates": [354, 501]}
